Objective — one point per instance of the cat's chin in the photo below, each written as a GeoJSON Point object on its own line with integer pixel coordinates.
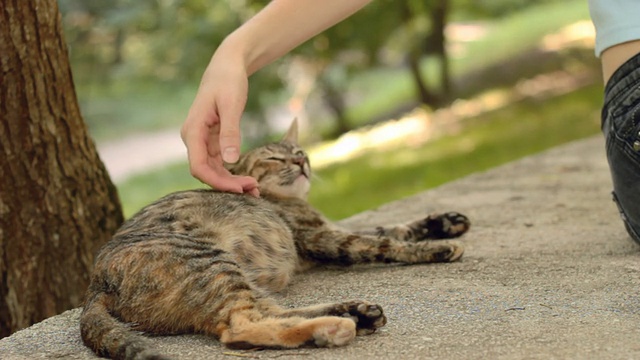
{"type": "Point", "coordinates": [300, 187]}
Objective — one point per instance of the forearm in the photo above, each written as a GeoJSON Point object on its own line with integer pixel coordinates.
{"type": "Point", "coordinates": [281, 26]}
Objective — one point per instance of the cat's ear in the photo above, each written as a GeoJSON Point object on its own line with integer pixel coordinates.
{"type": "Point", "coordinates": [292, 133]}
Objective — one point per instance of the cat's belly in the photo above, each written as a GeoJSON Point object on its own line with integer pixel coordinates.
{"type": "Point", "coordinates": [266, 252]}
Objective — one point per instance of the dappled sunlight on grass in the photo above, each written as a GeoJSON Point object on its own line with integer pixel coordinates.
{"type": "Point", "coordinates": [493, 43]}
{"type": "Point", "coordinates": [529, 126]}
{"type": "Point", "coordinates": [508, 37]}
{"type": "Point", "coordinates": [459, 34]}
{"type": "Point", "coordinates": [581, 33]}
{"type": "Point", "coordinates": [380, 137]}
{"type": "Point", "coordinates": [421, 126]}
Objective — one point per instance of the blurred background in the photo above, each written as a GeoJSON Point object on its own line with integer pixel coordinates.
{"type": "Point", "coordinates": [401, 97]}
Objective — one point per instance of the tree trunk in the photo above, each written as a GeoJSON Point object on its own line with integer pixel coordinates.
{"type": "Point", "coordinates": [415, 54]}
{"type": "Point", "coordinates": [57, 203]}
{"type": "Point", "coordinates": [425, 96]}
{"type": "Point", "coordinates": [437, 39]}
{"type": "Point", "coordinates": [334, 99]}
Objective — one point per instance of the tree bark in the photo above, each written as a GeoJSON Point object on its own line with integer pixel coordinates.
{"type": "Point", "coordinates": [57, 203]}
{"type": "Point", "coordinates": [415, 54]}
{"type": "Point", "coordinates": [439, 15]}
{"type": "Point", "coordinates": [425, 96]}
{"type": "Point", "coordinates": [334, 99]}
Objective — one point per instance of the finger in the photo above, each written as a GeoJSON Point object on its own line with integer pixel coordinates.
{"type": "Point", "coordinates": [255, 192]}
{"type": "Point", "coordinates": [209, 171]}
{"type": "Point", "coordinates": [250, 186]}
{"type": "Point", "coordinates": [212, 172]}
{"type": "Point", "coordinates": [230, 129]}
{"type": "Point", "coordinates": [197, 151]}
{"type": "Point", "coordinates": [218, 179]}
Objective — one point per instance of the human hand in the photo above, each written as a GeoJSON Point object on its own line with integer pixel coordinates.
{"type": "Point", "coordinates": [211, 131]}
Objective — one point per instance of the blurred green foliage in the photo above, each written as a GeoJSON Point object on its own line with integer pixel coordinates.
{"type": "Point", "coordinates": [118, 47]}
{"type": "Point", "coordinates": [137, 63]}
{"type": "Point", "coordinates": [474, 9]}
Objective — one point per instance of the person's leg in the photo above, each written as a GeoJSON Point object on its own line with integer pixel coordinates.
{"type": "Point", "coordinates": [621, 127]}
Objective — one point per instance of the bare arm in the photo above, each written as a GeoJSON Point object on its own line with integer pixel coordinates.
{"type": "Point", "coordinates": [284, 24]}
{"type": "Point", "coordinates": [211, 131]}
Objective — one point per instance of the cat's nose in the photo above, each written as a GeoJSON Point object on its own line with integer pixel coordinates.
{"type": "Point", "coordinates": [299, 160]}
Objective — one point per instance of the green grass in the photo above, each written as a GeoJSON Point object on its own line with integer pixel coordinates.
{"type": "Point", "coordinates": [486, 141]}
{"type": "Point", "coordinates": [366, 182]}
{"type": "Point", "coordinates": [109, 115]}
{"type": "Point", "coordinates": [143, 189]}
{"type": "Point", "coordinates": [521, 31]}
{"type": "Point", "coordinates": [506, 38]}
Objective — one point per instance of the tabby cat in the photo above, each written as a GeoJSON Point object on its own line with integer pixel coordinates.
{"type": "Point", "coordinates": [205, 261]}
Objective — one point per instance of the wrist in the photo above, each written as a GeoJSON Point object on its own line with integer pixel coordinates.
{"type": "Point", "coordinates": [239, 49]}
{"type": "Point", "coordinates": [231, 52]}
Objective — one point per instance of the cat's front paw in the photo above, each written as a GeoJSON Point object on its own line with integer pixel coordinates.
{"type": "Point", "coordinates": [441, 226]}
{"type": "Point", "coordinates": [367, 316]}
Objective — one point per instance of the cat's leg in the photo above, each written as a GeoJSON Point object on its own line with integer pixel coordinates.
{"type": "Point", "coordinates": [196, 288]}
{"type": "Point", "coordinates": [242, 316]}
{"type": "Point", "coordinates": [433, 227]}
{"type": "Point", "coordinates": [256, 328]}
{"type": "Point", "coordinates": [345, 248]}
{"type": "Point", "coordinates": [367, 316]}
{"type": "Point", "coordinates": [264, 324]}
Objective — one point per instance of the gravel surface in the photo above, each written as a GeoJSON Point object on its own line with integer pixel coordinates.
{"type": "Point", "coordinates": [548, 273]}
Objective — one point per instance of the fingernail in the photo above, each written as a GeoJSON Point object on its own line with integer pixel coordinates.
{"type": "Point", "coordinates": [230, 155]}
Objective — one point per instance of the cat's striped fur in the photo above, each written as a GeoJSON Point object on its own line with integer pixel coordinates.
{"type": "Point", "coordinates": [205, 262]}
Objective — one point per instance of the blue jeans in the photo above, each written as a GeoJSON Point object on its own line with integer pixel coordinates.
{"type": "Point", "coordinates": [621, 128]}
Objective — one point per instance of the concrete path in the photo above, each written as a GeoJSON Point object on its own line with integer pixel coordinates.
{"type": "Point", "coordinates": [548, 273]}
{"type": "Point", "coordinates": [137, 154]}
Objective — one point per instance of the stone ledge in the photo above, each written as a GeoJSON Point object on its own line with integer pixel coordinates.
{"type": "Point", "coordinates": [548, 273]}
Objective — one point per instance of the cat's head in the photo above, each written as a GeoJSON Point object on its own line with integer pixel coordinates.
{"type": "Point", "coordinates": [281, 168]}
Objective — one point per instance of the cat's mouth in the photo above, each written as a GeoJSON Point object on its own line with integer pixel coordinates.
{"type": "Point", "coordinates": [304, 171]}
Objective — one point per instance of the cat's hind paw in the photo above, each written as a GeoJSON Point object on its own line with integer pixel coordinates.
{"type": "Point", "coordinates": [449, 252]}
{"type": "Point", "coordinates": [367, 316]}
{"type": "Point", "coordinates": [331, 331]}
{"type": "Point", "coordinates": [441, 226]}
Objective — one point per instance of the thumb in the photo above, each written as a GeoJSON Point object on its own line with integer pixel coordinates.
{"type": "Point", "coordinates": [230, 144]}
{"type": "Point", "coordinates": [230, 130]}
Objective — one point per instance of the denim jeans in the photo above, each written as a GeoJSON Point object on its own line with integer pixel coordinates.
{"type": "Point", "coordinates": [621, 128]}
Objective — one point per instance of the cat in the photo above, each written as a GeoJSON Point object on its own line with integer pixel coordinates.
{"type": "Point", "coordinates": [204, 261]}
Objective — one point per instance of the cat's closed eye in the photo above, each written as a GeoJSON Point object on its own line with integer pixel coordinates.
{"type": "Point", "coordinates": [275, 158]}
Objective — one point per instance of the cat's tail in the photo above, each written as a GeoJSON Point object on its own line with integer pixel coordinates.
{"type": "Point", "coordinates": [108, 336]}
